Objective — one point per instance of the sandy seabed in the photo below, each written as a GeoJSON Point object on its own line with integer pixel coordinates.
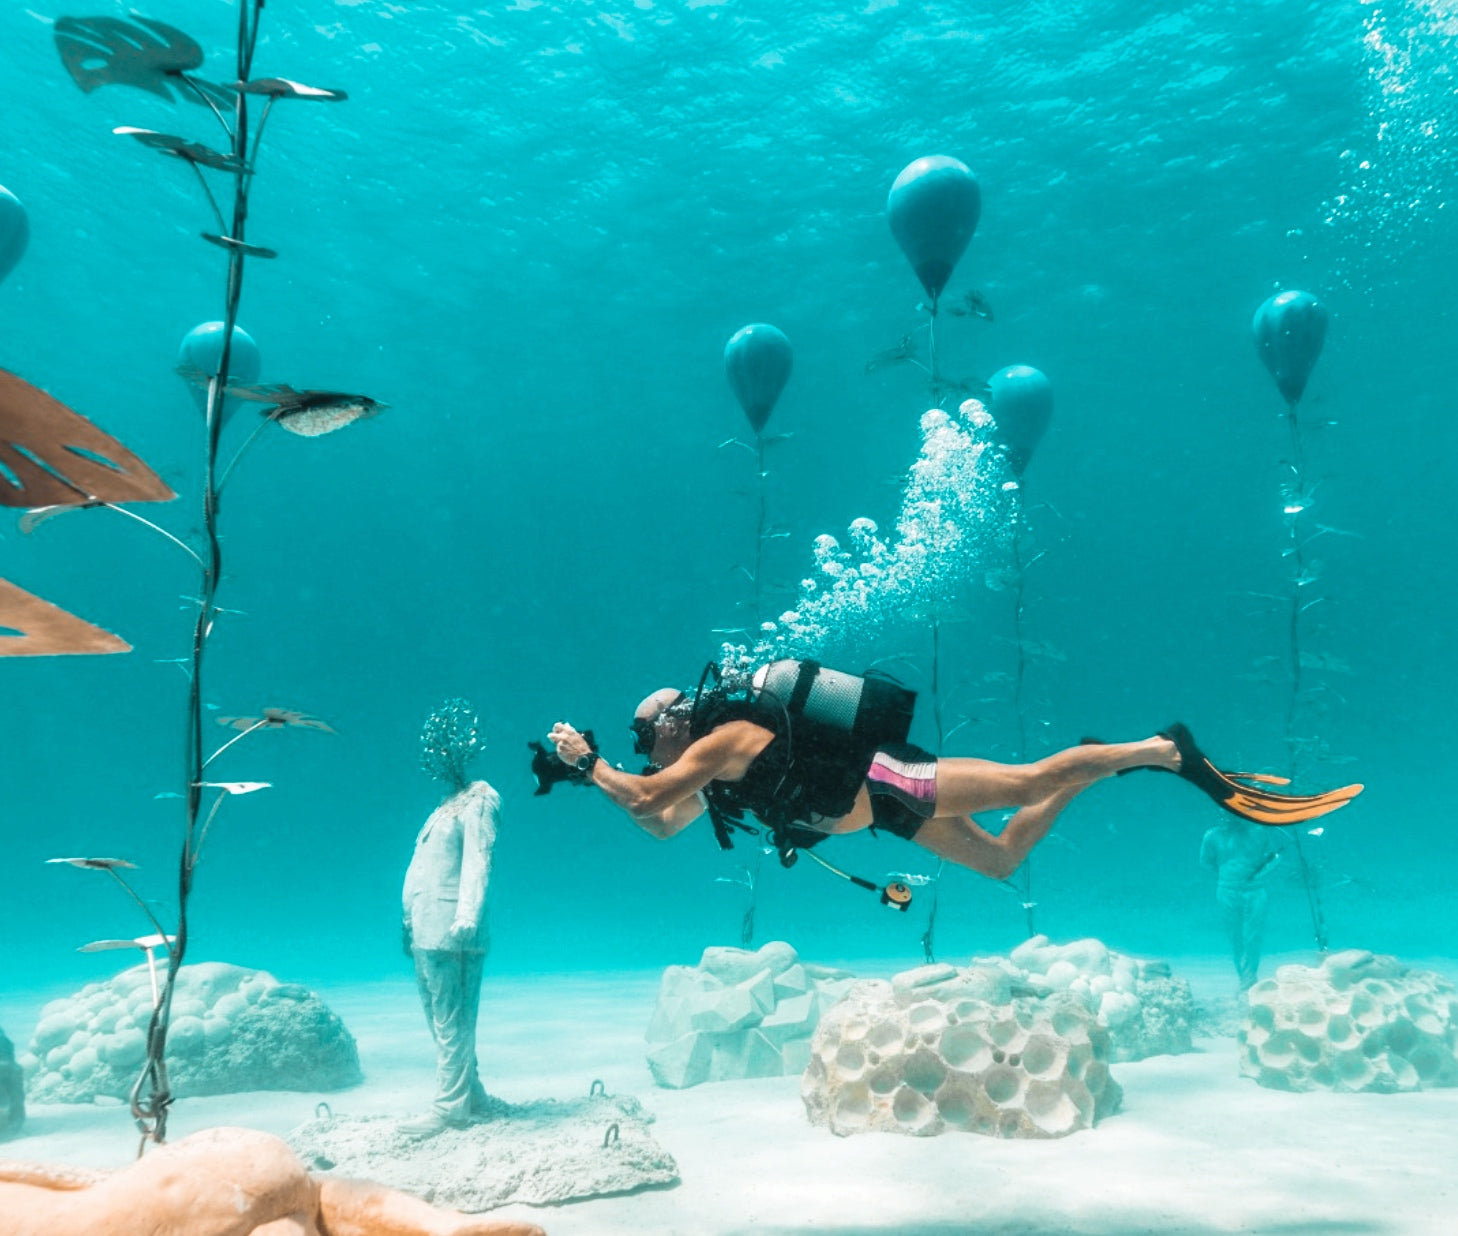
{"type": "Point", "coordinates": [1195, 1149]}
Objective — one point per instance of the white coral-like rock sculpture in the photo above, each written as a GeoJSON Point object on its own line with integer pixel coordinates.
{"type": "Point", "coordinates": [737, 1014]}
{"type": "Point", "coordinates": [232, 1030]}
{"type": "Point", "coordinates": [1146, 1010]}
{"type": "Point", "coordinates": [1357, 1022]}
{"type": "Point", "coordinates": [937, 1049]}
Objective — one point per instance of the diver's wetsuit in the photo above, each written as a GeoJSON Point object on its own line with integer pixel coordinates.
{"type": "Point", "coordinates": [803, 779]}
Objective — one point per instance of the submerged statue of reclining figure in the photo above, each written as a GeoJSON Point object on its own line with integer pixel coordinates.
{"type": "Point", "coordinates": [220, 1182]}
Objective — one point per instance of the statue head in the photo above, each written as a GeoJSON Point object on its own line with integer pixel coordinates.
{"type": "Point", "coordinates": [449, 740]}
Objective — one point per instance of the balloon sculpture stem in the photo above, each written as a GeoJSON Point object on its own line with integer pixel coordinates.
{"type": "Point", "coordinates": [931, 347]}
{"type": "Point", "coordinates": [761, 527]}
{"type": "Point", "coordinates": [936, 678]}
{"type": "Point", "coordinates": [1294, 509]}
{"type": "Point", "coordinates": [1025, 872]}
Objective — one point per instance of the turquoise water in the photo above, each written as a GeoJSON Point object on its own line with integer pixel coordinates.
{"type": "Point", "coordinates": [530, 231]}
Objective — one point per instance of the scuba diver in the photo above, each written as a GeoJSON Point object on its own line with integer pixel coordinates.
{"type": "Point", "coordinates": [813, 752]}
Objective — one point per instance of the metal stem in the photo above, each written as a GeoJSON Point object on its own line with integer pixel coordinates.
{"type": "Point", "coordinates": [212, 201]}
{"type": "Point", "coordinates": [1297, 552]}
{"type": "Point", "coordinates": [238, 454]}
{"type": "Point", "coordinates": [759, 531]}
{"type": "Point", "coordinates": [257, 725]}
{"type": "Point", "coordinates": [151, 1095]}
{"type": "Point", "coordinates": [182, 545]}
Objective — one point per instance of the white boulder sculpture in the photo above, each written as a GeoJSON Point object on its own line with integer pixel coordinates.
{"type": "Point", "coordinates": [1358, 1021]}
{"type": "Point", "coordinates": [1146, 1011]}
{"type": "Point", "coordinates": [737, 1014]}
{"type": "Point", "coordinates": [938, 1049]}
{"type": "Point", "coordinates": [232, 1030]}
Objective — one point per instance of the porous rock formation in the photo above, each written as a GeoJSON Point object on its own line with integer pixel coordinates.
{"type": "Point", "coordinates": [232, 1030]}
{"type": "Point", "coordinates": [1146, 1010]}
{"type": "Point", "coordinates": [1358, 1021]}
{"type": "Point", "coordinates": [938, 1049]}
{"type": "Point", "coordinates": [12, 1090]}
{"type": "Point", "coordinates": [738, 1013]}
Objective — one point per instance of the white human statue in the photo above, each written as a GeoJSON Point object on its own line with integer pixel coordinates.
{"type": "Point", "coordinates": [444, 903]}
{"type": "Point", "coordinates": [1242, 856]}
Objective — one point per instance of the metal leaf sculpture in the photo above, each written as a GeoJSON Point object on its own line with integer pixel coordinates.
{"type": "Point", "coordinates": [283, 88]}
{"type": "Point", "coordinates": [181, 148]}
{"type": "Point", "coordinates": [310, 414]}
{"type": "Point", "coordinates": [276, 718]}
{"type": "Point", "coordinates": [107, 51]}
{"type": "Point", "coordinates": [46, 630]}
{"type": "Point", "coordinates": [227, 242]}
{"type": "Point", "coordinates": [95, 864]}
{"type": "Point", "coordinates": [51, 456]}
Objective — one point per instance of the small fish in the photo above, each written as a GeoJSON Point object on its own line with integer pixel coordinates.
{"type": "Point", "coordinates": [903, 351]}
{"type": "Point", "coordinates": [972, 305]}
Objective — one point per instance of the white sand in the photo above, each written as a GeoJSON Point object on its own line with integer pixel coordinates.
{"type": "Point", "coordinates": [1195, 1149]}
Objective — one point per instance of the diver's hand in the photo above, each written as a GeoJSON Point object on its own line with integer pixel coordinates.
{"type": "Point", "coordinates": [571, 746]}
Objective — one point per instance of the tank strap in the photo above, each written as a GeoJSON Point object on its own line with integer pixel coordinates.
{"type": "Point", "coordinates": [801, 691]}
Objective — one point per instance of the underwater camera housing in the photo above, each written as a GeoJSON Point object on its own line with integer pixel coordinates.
{"type": "Point", "coordinates": [549, 770]}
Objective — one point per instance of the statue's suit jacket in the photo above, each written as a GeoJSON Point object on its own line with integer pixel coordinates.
{"type": "Point", "coordinates": [448, 875]}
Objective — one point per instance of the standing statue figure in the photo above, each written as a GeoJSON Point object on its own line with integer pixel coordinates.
{"type": "Point", "coordinates": [12, 1090]}
{"type": "Point", "coordinates": [445, 913]}
{"type": "Point", "coordinates": [1241, 856]}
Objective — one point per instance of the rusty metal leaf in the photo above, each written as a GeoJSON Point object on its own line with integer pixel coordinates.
{"type": "Point", "coordinates": [46, 630]}
{"type": "Point", "coordinates": [51, 456]}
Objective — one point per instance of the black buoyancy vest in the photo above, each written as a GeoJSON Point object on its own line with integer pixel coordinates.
{"type": "Point", "coordinates": [826, 724]}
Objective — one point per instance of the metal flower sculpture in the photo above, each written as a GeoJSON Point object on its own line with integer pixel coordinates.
{"type": "Point", "coordinates": [49, 458]}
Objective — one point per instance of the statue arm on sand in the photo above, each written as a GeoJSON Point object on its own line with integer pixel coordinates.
{"type": "Point", "coordinates": [221, 1182]}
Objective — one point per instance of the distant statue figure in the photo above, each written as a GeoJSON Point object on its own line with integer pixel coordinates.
{"type": "Point", "coordinates": [220, 1182]}
{"type": "Point", "coordinates": [1242, 858]}
{"type": "Point", "coordinates": [445, 913]}
{"type": "Point", "coordinates": [12, 1090]}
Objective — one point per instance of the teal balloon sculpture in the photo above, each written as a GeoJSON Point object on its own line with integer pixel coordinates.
{"type": "Point", "coordinates": [14, 231]}
{"type": "Point", "coordinates": [934, 206]}
{"type": "Point", "coordinates": [202, 352]}
{"type": "Point", "coordinates": [757, 362]}
{"type": "Point", "coordinates": [1022, 406]}
{"type": "Point", "coordinates": [1289, 331]}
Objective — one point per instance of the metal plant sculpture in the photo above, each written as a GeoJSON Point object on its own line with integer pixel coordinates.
{"type": "Point", "coordinates": [51, 459]}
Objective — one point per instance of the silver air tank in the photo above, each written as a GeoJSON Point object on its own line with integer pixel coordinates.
{"type": "Point", "coordinates": [834, 698]}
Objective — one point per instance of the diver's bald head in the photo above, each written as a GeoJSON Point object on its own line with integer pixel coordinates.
{"type": "Point", "coordinates": [659, 701]}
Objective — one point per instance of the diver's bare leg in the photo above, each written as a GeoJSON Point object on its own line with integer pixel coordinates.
{"type": "Point", "coordinates": [960, 840]}
{"type": "Point", "coordinates": [966, 786]}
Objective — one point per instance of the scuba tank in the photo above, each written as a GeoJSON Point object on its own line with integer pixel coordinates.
{"type": "Point", "coordinates": [827, 725]}
{"type": "Point", "coordinates": [857, 712]}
